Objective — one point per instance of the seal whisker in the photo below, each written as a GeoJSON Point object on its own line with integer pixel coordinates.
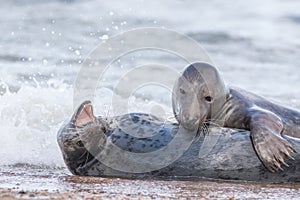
{"type": "Point", "coordinates": [82, 154]}
{"type": "Point", "coordinates": [215, 124]}
{"type": "Point", "coordinates": [87, 158]}
{"type": "Point", "coordinates": [206, 129]}
{"type": "Point", "coordinates": [217, 120]}
{"type": "Point", "coordinates": [171, 118]}
{"type": "Point", "coordinates": [203, 129]}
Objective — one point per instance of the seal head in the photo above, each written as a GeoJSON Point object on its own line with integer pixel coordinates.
{"type": "Point", "coordinates": [198, 95]}
{"type": "Point", "coordinates": [82, 137]}
{"type": "Point", "coordinates": [201, 97]}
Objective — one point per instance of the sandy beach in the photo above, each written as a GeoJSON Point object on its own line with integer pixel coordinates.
{"type": "Point", "coordinates": [29, 182]}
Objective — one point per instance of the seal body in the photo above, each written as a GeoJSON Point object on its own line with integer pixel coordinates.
{"type": "Point", "coordinates": [197, 102]}
{"type": "Point", "coordinates": [85, 136]}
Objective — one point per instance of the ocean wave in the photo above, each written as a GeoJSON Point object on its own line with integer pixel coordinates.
{"type": "Point", "coordinates": [29, 121]}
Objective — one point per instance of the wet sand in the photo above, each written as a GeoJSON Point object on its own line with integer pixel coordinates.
{"type": "Point", "coordinates": [29, 182]}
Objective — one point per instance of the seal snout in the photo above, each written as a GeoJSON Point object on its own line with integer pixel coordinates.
{"type": "Point", "coordinates": [191, 122]}
{"type": "Point", "coordinates": [189, 119]}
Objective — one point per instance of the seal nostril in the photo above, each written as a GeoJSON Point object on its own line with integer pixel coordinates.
{"type": "Point", "coordinates": [182, 91]}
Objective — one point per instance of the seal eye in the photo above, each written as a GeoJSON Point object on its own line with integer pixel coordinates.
{"type": "Point", "coordinates": [103, 129]}
{"type": "Point", "coordinates": [80, 143]}
{"type": "Point", "coordinates": [208, 98]}
{"type": "Point", "coordinates": [181, 91]}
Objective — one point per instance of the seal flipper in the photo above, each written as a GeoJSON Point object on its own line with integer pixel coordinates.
{"type": "Point", "coordinates": [270, 146]}
{"type": "Point", "coordinates": [84, 114]}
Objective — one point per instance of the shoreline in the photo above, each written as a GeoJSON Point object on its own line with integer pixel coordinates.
{"type": "Point", "coordinates": [40, 183]}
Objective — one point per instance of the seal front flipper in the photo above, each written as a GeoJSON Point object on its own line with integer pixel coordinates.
{"type": "Point", "coordinates": [271, 147]}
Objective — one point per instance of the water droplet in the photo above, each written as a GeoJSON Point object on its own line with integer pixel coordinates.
{"type": "Point", "coordinates": [47, 44]}
{"type": "Point", "coordinates": [111, 13]}
{"type": "Point", "coordinates": [104, 37]}
{"type": "Point", "coordinates": [77, 52]}
{"type": "Point", "coordinates": [45, 61]}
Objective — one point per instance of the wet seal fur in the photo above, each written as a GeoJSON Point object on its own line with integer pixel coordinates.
{"type": "Point", "coordinates": [199, 90]}
{"type": "Point", "coordinates": [233, 156]}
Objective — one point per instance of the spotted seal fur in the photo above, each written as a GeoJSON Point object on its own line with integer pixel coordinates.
{"type": "Point", "coordinates": [233, 156]}
{"type": "Point", "coordinates": [201, 97]}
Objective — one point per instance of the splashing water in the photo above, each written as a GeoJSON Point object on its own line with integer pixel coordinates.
{"type": "Point", "coordinates": [29, 121]}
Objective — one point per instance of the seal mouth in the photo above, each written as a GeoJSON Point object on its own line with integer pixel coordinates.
{"type": "Point", "coordinates": [84, 114]}
{"type": "Point", "coordinates": [189, 122]}
{"type": "Point", "coordinates": [87, 157]}
{"type": "Point", "coordinates": [191, 126]}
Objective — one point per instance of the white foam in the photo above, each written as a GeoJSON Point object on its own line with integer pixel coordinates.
{"type": "Point", "coordinates": [31, 117]}
{"type": "Point", "coordinates": [29, 121]}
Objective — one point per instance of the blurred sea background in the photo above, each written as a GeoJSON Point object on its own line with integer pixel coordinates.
{"type": "Point", "coordinates": [255, 45]}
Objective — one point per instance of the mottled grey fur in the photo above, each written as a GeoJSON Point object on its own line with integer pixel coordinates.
{"type": "Point", "coordinates": [266, 121]}
{"type": "Point", "coordinates": [233, 157]}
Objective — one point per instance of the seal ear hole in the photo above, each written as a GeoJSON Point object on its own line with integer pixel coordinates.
{"type": "Point", "coordinates": [208, 98]}
{"type": "Point", "coordinates": [80, 143]}
{"type": "Point", "coordinates": [182, 91]}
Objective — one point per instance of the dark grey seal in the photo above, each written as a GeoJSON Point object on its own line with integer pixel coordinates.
{"type": "Point", "coordinates": [201, 97]}
{"type": "Point", "coordinates": [233, 156]}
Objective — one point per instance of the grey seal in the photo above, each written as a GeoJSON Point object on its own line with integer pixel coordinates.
{"type": "Point", "coordinates": [233, 156]}
{"type": "Point", "coordinates": [201, 97]}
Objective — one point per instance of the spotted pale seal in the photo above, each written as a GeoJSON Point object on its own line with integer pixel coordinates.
{"type": "Point", "coordinates": [233, 156]}
{"type": "Point", "coordinates": [198, 100]}
{"type": "Point", "coordinates": [86, 136]}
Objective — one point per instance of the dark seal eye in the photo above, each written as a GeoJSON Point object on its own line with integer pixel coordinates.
{"type": "Point", "coordinates": [208, 98]}
{"type": "Point", "coordinates": [181, 91]}
{"type": "Point", "coordinates": [80, 143]}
